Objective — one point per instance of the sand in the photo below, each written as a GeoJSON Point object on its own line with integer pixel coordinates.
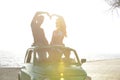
{"type": "Point", "coordinates": [98, 70]}
{"type": "Point", "coordinates": [104, 69]}
{"type": "Point", "coordinates": [9, 73]}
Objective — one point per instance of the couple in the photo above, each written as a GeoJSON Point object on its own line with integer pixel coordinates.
{"type": "Point", "coordinates": [38, 32]}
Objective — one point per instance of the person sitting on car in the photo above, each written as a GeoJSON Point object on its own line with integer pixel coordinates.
{"type": "Point", "coordinates": [38, 34]}
{"type": "Point", "coordinates": [57, 37]}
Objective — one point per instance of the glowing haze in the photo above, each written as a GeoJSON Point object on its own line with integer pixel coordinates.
{"type": "Point", "coordinates": [91, 30]}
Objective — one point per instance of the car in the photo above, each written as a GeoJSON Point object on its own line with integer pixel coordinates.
{"type": "Point", "coordinates": [59, 63]}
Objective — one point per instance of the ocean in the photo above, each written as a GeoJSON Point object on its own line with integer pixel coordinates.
{"type": "Point", "coordinates": [8, 59]}
{"type": "Point", "coordinates": [16, 60]}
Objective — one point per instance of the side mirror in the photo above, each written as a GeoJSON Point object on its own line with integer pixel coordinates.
{"type": "Point", "coordinates": [83, 61]}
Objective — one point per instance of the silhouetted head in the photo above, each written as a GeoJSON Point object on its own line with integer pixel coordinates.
{"type": "Point", "coordinates": [60, 25]}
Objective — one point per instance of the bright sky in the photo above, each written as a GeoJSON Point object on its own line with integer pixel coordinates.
{"type": "Point", "coordinates": [91, 30]}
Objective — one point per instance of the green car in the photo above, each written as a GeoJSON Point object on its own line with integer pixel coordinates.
{"type": "Point", "coordinates": [52, 63]}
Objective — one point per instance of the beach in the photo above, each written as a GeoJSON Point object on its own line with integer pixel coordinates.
{"type": "Point", "coordinates": [9, 73]}
{"type": "Point", "coordinates": [103, 69]}
{"type": "Point", "coordinates": [98, 70]}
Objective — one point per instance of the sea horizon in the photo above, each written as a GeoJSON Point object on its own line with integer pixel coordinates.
{"type": "Point", "coordinates": [13, 60]}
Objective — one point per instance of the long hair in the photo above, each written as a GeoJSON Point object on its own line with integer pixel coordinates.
{"type": "Point", "coordinates": [62, 26]}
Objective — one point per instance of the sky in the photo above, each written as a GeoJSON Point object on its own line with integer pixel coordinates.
{"type": "Point", "coordinates": [91, 27]}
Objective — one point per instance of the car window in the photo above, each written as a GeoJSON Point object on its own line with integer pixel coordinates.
{"type": "Point", "coordinates": [35, 56]}
{"type": "Point", "coordinates": [69, 56]}
{"type": "Point", "coordinates": [41, 56]}
{"type": "Point", "coordinates": [73, 57]}
{"type": "Point", "coordinates": [51, 55]}
{"type": "Point", "coordinates": [32, 57]}
{"type": "Point", "coordinates": [29, 57]}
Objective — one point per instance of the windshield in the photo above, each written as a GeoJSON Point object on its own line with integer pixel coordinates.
{"type": "Point", "coordinates": [53, 55]}
{"type": "Point", "coordinates": [56, 55]}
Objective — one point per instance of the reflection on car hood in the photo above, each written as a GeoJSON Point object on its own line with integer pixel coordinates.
{"type": "Point", "coordinates": [70, 70]}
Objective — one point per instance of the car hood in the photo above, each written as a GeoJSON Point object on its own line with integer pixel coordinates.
{"type": "Point", "coordinates": [70, 70]}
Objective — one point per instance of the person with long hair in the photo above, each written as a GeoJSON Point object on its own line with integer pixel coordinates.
{"type": "Point", "coordinates": [57, 39]}
{"type": "Point", "coordinates": [59, 33]}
